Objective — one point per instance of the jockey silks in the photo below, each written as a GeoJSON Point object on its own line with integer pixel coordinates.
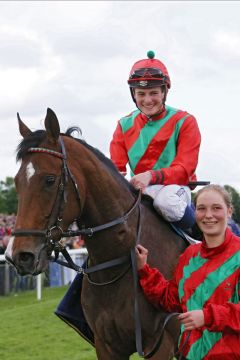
{"type": "Point", "coordinates": [169, 141]}
{"type": "Point", "coordinates": [205, 278]}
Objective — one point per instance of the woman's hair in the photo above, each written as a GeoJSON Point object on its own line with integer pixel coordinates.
{"type": "Point", "coordinates": [223, 192]}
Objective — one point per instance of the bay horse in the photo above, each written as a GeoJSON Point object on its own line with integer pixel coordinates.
{"type": "Point", "coordinates": [61, 179]}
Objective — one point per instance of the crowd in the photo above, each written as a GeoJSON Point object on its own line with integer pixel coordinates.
{"type": "Point", "coordinates": [75, 242]}
{"type": "Point", "coordinates": [7, 223]}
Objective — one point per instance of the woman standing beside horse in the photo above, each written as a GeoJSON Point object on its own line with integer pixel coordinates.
{"type": "Point", "coordinates": [205, 285]}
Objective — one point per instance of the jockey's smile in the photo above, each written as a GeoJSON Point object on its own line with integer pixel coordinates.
{"type": "Point", "coordinates": [149, 101]}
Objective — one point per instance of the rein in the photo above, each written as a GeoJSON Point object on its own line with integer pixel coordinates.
{"type": "Point", "coordinates": [54, 231]}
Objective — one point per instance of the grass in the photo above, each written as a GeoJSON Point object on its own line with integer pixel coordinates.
{"type": "Point", "coordinates": [31, 331]}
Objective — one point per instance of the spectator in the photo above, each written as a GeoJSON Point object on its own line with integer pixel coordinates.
{"type": "Point", "coordinates": [74, 242]}
{"type": "Point", "coordinates": [7, 223]}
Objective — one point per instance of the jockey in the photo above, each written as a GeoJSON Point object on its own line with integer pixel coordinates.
{"type": "Point", "coordinates": [159, 143]}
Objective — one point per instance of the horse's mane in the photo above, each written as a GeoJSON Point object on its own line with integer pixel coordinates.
{"type": "Point", "coordinates": [105, 160]}
{"type": "Point", "coordinates": [38, 136]}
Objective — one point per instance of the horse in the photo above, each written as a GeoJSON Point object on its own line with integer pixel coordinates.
{"type": "Point", "coordinates": [63, 179]}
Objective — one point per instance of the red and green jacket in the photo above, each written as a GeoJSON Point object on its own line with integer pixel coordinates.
{"type": "Point", "coordinates": [168, 142]}
{"type": "Point", "coordinates": [205, 278]}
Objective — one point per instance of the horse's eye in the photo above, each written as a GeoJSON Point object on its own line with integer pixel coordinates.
{"type": "Point", "coordinates": [50, 179]}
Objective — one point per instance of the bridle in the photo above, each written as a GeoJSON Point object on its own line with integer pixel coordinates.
{"type": "Point", "coordinates": [54, 234]}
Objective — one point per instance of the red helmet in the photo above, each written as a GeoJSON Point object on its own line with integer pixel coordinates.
{"type": "Point", "coordinates": [149, 73]}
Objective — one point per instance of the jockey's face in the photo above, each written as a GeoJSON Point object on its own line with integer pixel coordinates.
{"type": "Point", "coordinates": [149, 101]}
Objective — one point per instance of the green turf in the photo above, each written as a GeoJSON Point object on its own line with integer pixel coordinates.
{"type": "Point", "coordinates": [30, 330]}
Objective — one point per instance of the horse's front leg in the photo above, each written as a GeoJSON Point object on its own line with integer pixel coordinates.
{"type": "Point", "coordinates": [104, 352]}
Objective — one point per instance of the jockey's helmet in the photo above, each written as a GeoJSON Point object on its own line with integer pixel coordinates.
{"type": "Point", "coordinates": [148, 73]}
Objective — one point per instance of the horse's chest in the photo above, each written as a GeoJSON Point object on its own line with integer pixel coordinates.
{"type": "Point", "coordinates": [106, 309]}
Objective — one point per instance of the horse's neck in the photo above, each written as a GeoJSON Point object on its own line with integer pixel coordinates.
{"type": "Point", "coordinates": [104, 197]}
{"type": "Point", "coordinates": [107, 200]}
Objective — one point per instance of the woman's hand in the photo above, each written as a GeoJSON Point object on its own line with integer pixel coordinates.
{"type": "Point", "coordinates": [140, 181]}
{"type": "Point", "coordinates": [192, 319]}
{"type": "Point", "coordinates": [141, 256]}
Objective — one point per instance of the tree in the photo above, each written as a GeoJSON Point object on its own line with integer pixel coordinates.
{"type": "Point", "coordinates": [235, 201]}
{"type": "Point", "coordinates": [8, 196]}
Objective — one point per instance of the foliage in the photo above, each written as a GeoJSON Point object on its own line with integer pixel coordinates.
{"type": "Point", "coordinates": [235, 201]}
{"type": "Point", "coordinates": [8, 196]}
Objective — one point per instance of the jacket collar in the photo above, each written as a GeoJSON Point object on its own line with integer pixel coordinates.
{"type": "Point", "coordinates": [155, 117]}
{"type": "Point", "coordinates": [207, 252]}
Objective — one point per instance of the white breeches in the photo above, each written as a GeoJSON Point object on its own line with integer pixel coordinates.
{"type": "Point", "coordinates": [170, 200]}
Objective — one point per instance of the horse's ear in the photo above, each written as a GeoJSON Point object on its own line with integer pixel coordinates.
{"type": "Point", "coordinates": [52, 126]}
{"type": "Point", "coordinates": [23, 129]}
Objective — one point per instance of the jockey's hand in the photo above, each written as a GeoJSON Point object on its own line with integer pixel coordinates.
{"type": "Point", "coordinates": [140, 181]}
{"type": "Point", "coordinates": [192, 319]}
{"type": "Point", "coordinates": [141, 256]}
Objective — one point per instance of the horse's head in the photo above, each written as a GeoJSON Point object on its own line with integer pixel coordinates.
{"type": "Point", "coordinates": [62, 179]}
{"type": "Point", "coordinates": [41, 187]}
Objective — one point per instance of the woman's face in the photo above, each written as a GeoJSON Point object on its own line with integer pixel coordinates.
{"type": "Point", "coordinates": [212, 213]}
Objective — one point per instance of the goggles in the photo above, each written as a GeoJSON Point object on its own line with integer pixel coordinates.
{"type": "Point", "coordinates": [147, 73]}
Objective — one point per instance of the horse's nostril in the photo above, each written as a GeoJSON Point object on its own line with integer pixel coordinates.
{"type": "Point", "coordinates": [26, 258]}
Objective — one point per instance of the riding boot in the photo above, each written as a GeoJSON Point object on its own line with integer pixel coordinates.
{"type": "Point", "coordinates": [188, 219]}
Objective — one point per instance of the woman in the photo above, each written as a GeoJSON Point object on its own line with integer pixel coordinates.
{"type": "Point", "coordinates": [205, 285]}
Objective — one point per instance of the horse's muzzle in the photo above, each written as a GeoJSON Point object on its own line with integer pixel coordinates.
{"type": "Point", "coordinates": [28, 263]}
{"type": "Point", "coordinates": [24, 262]}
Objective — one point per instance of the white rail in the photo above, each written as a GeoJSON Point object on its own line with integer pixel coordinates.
{"type": "Point", "coordinates": [67, 275]}
{"type": "Point", "coordinates": [72, 252]}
